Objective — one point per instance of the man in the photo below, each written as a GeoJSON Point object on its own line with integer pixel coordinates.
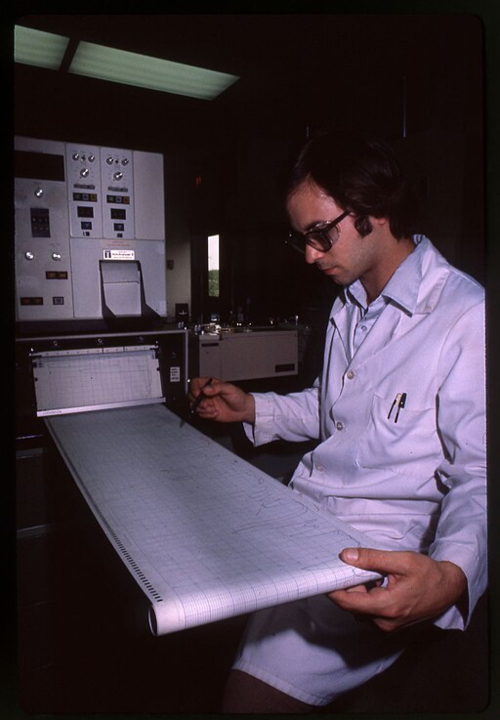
{"type": "Point", "coordinates": [400, 416]}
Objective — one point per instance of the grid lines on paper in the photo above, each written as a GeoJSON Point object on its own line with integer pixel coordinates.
{"type": "Point", "coordinates": [200, 523]}
{"type": "Point", "coordinates": [86, 379]}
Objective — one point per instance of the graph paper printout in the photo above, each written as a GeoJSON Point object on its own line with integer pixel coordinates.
{"type": "Point", "coordinates": [68, 380]}
{"type": "Point", "coordinates": [205, 534]}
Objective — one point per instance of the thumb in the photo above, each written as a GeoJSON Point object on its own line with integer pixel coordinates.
{"type": "Point", "coordinates": [369, 559]}
{"type": "Point", "coordinates": [212, 387]}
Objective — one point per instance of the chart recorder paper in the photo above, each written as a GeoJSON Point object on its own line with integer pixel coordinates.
{"type": "Point", "coordinates": [205, 534]}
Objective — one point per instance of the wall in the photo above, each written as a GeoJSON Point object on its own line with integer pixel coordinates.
{"type": "Point", "coordinates": [179, 276]}
{"type": "Point", "coordinates": [178, 247]}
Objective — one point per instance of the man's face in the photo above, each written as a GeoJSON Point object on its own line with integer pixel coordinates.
{"type": "Point", "coordinates": [352, 257]}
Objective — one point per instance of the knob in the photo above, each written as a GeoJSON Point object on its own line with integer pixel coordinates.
{"type": "Point", "coordinates": [91, 158]}
{"type": "Point", "coordinates": [125, 161]}
{"type": "Point", "coordinates": [117, 175]}
{"type": "Point", "coordinates": [39, 192]}
{"type": "Point", "coordinates": [84, 172]}
{"type": "Point", "coordinates": [76, 156]}
{"type": "Point", "coordinates": [109, 160]}
{"type": "Point", "coordinates": [56, 256]}
{"type": "Point", "coordinates": [29, 255]}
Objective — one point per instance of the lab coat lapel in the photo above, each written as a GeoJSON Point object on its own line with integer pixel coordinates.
{"type": "Point", "coordinates": [336, 352]}
{"type": "Point", "coordinates": [381, 336]}
{"type": "Point", "coordinates": [377, 350]}
{"type": "Point", "coordinates": [379, 340]}
{"type": "Point", "coordinates": [340, 323]}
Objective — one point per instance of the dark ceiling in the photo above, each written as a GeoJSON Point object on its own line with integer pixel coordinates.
{"type": "Point", "coordinates": [267, 48]}
{"type": "Point", "coordinates": [295, 70]}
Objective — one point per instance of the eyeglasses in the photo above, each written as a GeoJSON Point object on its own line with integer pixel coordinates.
{"type": "Point", "coordinates": [321, 238]}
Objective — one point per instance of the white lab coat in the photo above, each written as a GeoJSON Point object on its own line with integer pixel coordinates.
{"type": "Point", "coordinates": [418, 483]}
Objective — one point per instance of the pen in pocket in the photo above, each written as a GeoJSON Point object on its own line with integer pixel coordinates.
{"type": "Point", "coordinates": [398, 403]}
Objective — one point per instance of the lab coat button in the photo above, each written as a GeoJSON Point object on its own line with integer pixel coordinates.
{"type": "Point", "coordinates": [350, 374]}
{"type": "Point", "coordinates": [339, 425]}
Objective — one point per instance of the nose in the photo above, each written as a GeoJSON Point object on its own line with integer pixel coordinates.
{"type": "Point", "coordinates": [312, 255]}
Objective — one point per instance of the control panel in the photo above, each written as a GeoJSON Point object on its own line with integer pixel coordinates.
{"type": "Point", "coordinates": [117, 175]}
{"type": "Point", "coordinates": [89, 231]}
{"type": "Point", "coordinates": [83, 169]}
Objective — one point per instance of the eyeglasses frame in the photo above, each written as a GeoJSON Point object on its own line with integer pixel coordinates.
{"type": "Point", "coordinates": [323, 232]}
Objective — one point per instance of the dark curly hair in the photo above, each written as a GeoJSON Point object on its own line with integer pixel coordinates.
{"type": "Point", "coordinates": [362, 176]}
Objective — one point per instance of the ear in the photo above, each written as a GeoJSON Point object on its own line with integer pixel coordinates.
{"type": "Point", "coordinates": [378, 221]}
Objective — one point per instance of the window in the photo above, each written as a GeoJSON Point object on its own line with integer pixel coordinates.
{"type": "Point", "coordinates": [213, 266]}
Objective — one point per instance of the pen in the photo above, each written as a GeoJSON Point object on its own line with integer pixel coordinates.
{"type": "Point", "coordinates": [395, 403]}
{"type": "Point", "coordinates": [398, 403]}
{"type": "Point", "coordinates": [200, 397]}
{"type": "Point", "coordinates": [401, 404]}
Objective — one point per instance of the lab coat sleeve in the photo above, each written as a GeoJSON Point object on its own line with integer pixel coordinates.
{"type": "Point", "coordinates": [293, 417]}
{"type": "Point", "coordinates": [461, 535]}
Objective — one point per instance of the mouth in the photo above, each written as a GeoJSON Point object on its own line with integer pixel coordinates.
{"type": "Point", "coordinates": [327, 270]}
{"type": "Point", "coordinates": [331, 272]}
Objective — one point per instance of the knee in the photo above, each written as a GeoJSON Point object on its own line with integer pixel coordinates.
{"type": "Point", "coordinates": [246, 694]}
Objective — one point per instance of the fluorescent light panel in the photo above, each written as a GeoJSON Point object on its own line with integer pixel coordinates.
{"type": "Point", "coordinates": [129, 68]}
{"type": "Point", "coordinates": [35, 47]}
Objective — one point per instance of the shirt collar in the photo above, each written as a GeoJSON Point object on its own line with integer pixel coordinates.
{"type": "Point", "coordinates": [403, 286]}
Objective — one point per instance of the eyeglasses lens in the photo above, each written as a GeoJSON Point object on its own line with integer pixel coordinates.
{"type": "Point", "coordinates": [316, 240]}
{"type": "Point", "coordinates": [322, 239]}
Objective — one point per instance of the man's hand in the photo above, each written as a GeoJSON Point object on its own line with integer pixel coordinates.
{"type": "Point", "coordinates": [222, 401]}
{"type": "Point", "coordinates": [417, 588]}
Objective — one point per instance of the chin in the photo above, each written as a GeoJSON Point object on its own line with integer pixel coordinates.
{"type": "Point", "coordinates": [332, 273]}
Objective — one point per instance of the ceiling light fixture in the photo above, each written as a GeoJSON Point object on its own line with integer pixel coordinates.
{"type": "Point", "coordinates": [130, 68]}
{"type": "Point", "coordinates": [36, 47]}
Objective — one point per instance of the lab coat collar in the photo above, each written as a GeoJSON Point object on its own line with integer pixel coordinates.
{"type": "Point", "coordinates": [425, 276]}
{"type": "Point", "coordinates": [407, 288]}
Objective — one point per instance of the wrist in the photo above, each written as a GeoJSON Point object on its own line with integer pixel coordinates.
{"type": "Point", "coordinates": [249, 415]}
{"type": "Point", "coordinates": [454, 579]}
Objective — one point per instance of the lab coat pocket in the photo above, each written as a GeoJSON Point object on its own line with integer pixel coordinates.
{"type": "Point", "coordinates": [400, 436]}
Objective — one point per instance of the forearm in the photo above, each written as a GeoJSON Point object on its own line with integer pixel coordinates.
{"type": "Point", "coordinates": [461, 533]}
{"type": "Point", "coordinates": [461, 540]}
{"type": "Point", "coordinates": [293, 417]}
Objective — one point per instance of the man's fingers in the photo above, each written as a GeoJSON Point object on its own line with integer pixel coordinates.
{"type": "Point", "coordinates": [373, 603]}
{"type": "Point", "coordinates": [381, 561]}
